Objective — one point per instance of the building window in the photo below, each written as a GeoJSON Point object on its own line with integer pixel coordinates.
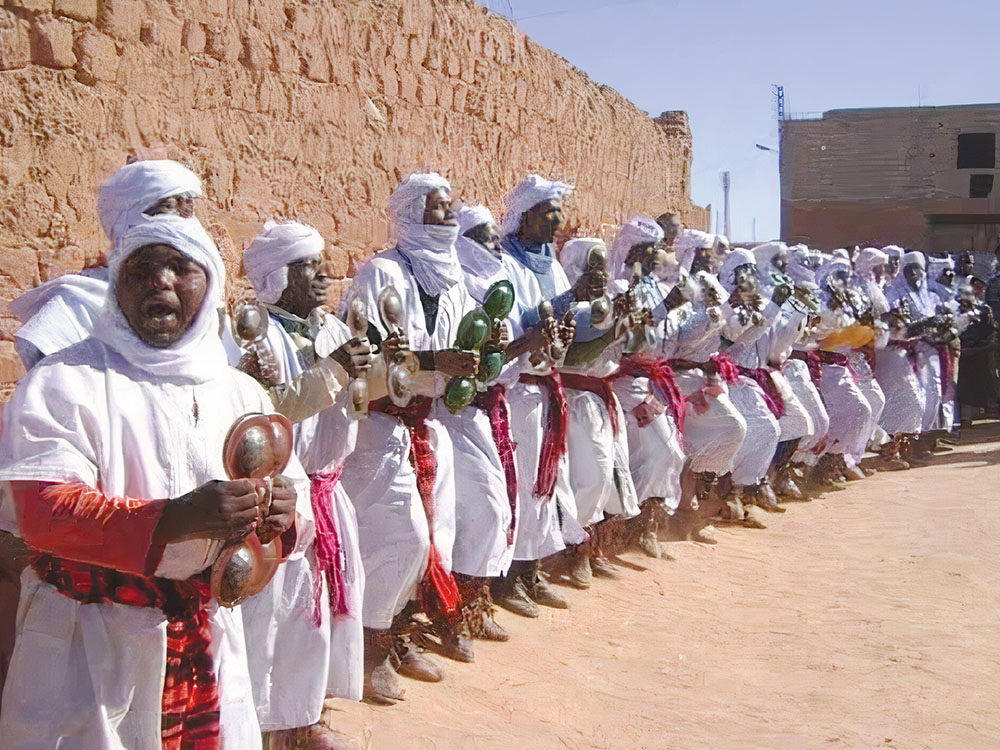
{"type": "Point", "coordinates": [980, 185]}
{"type": "Point", "coordinates": [977, 150]}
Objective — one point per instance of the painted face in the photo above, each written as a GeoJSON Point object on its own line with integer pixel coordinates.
{"type": "Point", "coordinates": [437, 209]}
{"type": "Point", "coordinates": [159, 291]}
{"type": "Point", "coordinates": [914, 275]}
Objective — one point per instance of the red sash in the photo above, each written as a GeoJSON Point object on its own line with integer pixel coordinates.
{"type": "Point", "coordinates": [661, 375]}
{"type": "Point", "coordinates": [599, 388]}
{"type": "Point", "coordinates": [772, 396]}
{"type": "Point", "coordinates": [190, 718]}
{"type": "Point", "coordinates": [555, 437]}
{"type": "Point", "coordinates": [327, 549]}
{"type": "Point", "coordinates": [438, 590]}
{"type": "Point", "coordinates": [493, 401]}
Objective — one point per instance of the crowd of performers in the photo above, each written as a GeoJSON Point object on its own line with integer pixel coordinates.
{"type": "Point", "coordinates": [227, 514]}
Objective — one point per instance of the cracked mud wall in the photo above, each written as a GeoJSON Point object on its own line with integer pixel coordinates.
{"type": "Point", "coordinates": [308, 110]}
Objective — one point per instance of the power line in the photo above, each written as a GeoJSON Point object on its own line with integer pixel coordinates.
{"type": "Point", "coordinates": [577, 10]}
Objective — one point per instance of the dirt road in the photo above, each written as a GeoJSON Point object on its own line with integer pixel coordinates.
{"type": "Point", "coordinates": [865, 619]}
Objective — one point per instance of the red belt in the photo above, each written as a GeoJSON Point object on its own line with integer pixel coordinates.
{"type": "Point", "coordinates": [600, 388]}
{"type": "Point", "coordinates": [661, 374]}
{"type": "Point", "coordinates": [438, 589]}
{"type": "Point", "coordinates": [772, 396]}
{"type": "Point", "coordinates": [326, 546]}
{"type": "Point", "coordinates": [555, 435]}
{"type": "Point", "coordinates": [816, 360]}
{"type": "Point", "coordinates": [493, 401]}
{"type": "Point", "coordinates": [190, 704]}
{"type": "Point", "coordinates": [718, 364]}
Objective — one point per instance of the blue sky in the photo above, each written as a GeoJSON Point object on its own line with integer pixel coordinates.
{"type": "Point", "coordinates": [717, 59]}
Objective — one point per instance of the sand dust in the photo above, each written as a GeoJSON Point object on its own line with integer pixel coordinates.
{"type": "Point", "coordinates": [864, 619]}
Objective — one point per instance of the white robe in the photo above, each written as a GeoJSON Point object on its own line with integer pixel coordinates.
{"type": "Point", "coordinates": [93, 672]}
{"type": "Point", "coordinates": [392, 525]}
{"type": "Point", "coordinates": [539, 533]}
{"type": "Point", "coordinates": [294, 665]}
{"type": "Point", "coordinates": [905, 397]}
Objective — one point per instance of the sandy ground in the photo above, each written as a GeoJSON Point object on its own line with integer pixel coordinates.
{"type": "Point", "coordinates": [864, 619]}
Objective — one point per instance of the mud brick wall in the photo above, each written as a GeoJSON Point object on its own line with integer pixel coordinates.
{"type": "Point", "coordinates": [310, 110]}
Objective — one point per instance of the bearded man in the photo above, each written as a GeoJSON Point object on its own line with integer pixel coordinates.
{"type": "Point", "coordinates": [114, 448]}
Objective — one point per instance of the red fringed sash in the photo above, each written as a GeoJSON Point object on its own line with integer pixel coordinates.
{"type": "Point", "coordinates": [946, 358]}
{"type": "Point", "coordinates": [438, 591]}
{"type": "Point", "coordinates": [600, 388]}
{"type": "Point", "coordinates": [493, 401]}
{"type": "Point", "coordinates": [772, 396]}
{"type": "Point", "coordinates": [327, 550]}
{"type": "Point", "coordinates": [555, 436]}
{"type": "Point", "coordinates": [816, 359]}
{"type": "Point", "coordinates": [190, 719]}
{"type": "Point", "coordinates": [661, 375]}
{"type": "Point", "coordinates": [725, 367]}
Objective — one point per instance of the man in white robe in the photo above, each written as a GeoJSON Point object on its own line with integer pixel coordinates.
{"type": "Point", "coordinates": [315, 601]}
{"type": "Point", "coordinates": [114, 447]}
{"type": "Point", "coordinates": [406, 513]}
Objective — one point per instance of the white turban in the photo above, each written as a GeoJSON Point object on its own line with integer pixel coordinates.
{"type": "Point", "coordinates": [136, 188]}
{"type": "Point", "coordinates": [687, 242]}
{"type": "Point", "coordinates": [473, 216]}
{"type": "Point", "coordinates": [733, 260]}
{"type": "Point", "coordinates": [937, 265]}
{"type": "Point", "coordinates": [829, 267]}
{"type": "Point", "coordinates": [640, 230]}
{"type": "Point", "coordinates": [893, 251]}
{"type": "Point", "coordinates": [198, 355]}
{"type": "Point", "coordinates": [868, 259]}
{"type": "Point", "coordinates": [430, 248]}
{"type": "Point", "coordinates": [270, 253]}
{"type": "Point", "coordinates": [914, 256]}
{"type": "Point", "coordinates": [841, 252]}
{"type": "Point", "coordinates": [482, 269]}
{"type": "Point", "coordinates": [765, 253]}
{"type": "Point", "coordinates": [533, 190]}
{"type": "Point", "coordinates": [574, 254]}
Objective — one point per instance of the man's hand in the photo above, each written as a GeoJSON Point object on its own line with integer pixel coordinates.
{"type": "Point", "coordinates": [567, 331]}
{"type": "Point", "coordinates": [281, 514]}
{"type": "Point", "coordinates": [355, 357]}
{"type": "Point", "coordinates": [456, 362]}
{"type": "Point", "coordinates": [217, 510]}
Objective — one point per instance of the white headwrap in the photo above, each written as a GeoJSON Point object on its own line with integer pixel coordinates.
{"type": "Point", "coordinates": [136, 188]}
{"type": "Point", "coordinates": [868, 259]}
{"type": "Point", "coordinates": [799, 264]}
{"type": "Point", "coordinates": [573, 256]}
{"type": "Point", "coordinates": [936, 265]}
{"type": "Point", "coordinates": [533, 190]}
{"type": "Point", "coordinates": [829, 267]}
{"type": "Point", "coordinates": [198, 355]}
{"type": "Point", "coordinates": [733, 260]}
{"type": "Point", "coordinates": [841, 252]}
{"type": "Point", "coordinates": [430, 248]}
{"type": "Point", "coordinates": [893, 251]}
{"type": "Point", "coordinates": [268, 256]}
{"type": "Point", "coordinates": [765, 253]}
{"type": "Point", "coordinates": [482, 269]}
{"type": "Point", "coordinates": [640, 230]}
{"type": "Point", "coordinates": [914, 256]}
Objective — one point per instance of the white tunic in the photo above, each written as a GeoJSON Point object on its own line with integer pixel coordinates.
{"type": "Point", "coordinates": [378, 477]}
{"type": "Point", "coordinates": [94, 672]}
{"type": "Point", "coordinates": [294, 664]}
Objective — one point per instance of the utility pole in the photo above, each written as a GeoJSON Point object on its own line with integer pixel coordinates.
{"type": "Point", "coordinates": [725, 204]}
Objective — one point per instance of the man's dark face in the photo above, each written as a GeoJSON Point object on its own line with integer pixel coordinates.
{"type": "Point", "coordinates": [174, 204]}
{"type": "Point", "coordinates": [307, 287]}
{"type": "Point", "coordinates": [780, 262]}
{"type": "Point", "coordinates": [160, 291]}
{"type": "Point", "coordinates": [671, 226]}
{"type": "Point", "coordinates": [437, 209]}
{"type": "Point", "coordinates": [893, 266]}
{"type": "Point", "coordinates": [702, 260]}
{"type": "Point", "coordinates": [540, 223]}
{"type": "Point", "coordinates": [914, 275]}
{"type": "Point", "coordinates": [487, 235]}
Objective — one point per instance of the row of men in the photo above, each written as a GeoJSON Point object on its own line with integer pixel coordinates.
{"type": "Point", "coordinates": [487, 416]}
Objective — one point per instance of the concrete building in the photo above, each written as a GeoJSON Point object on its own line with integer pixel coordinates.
{"type": "Point", "coordinates": [924, 178]}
